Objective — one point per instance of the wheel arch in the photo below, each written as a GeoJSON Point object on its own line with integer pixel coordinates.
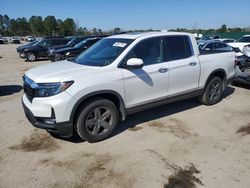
{"type": "Point", "coordinates": [107, 94]}
{"type": "Point", "coordinates": [31, 51]}
{"type": "Point", "coordinates": [221, 73]}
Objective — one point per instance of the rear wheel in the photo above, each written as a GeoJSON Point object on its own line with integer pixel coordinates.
{"type": "Point", "coordinates": [97, 120]}
{"type": "Point", "coordinates": [31, 56]}
{"type": "Point", "coordinates": [213, 92]}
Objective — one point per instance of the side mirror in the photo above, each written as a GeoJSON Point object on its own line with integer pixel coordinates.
{"type": "Point", "coordinates": [135, 63]}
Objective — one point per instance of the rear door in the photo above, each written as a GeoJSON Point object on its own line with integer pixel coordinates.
{"type": "Point", "coordinates": [183, 65]}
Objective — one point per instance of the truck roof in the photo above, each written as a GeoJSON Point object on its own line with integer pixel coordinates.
{"type": "Point", "coordinates": [136, 35]}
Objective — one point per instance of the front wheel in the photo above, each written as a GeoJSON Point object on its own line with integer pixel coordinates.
{"type": "Point", "coordinates": [213, 92]}
{"type": "Point", "coordinates": [97, 120]}
{"type": "Point", "coordinates": [31, 56]}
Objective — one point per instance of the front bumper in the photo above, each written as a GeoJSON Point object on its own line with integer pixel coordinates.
{"type": "Point", "coordinates": [22, 55]}
{"type": "Point", "coordinates": [243, 80]}
{"type": "Point", "coordinates": [242, 77]}
{"type": "Point", "coordinates": [56, 57]}
{"type": "Point", "coordinates": [64, 129]}
{"type": "Point", "coordinates": [51, 57]}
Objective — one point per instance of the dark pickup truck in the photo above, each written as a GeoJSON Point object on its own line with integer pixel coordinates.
{"type": "Point", "coordinates": [71, 43]}
{"type": "Point", "coordinates": [40, 48]}
{"type": "Point", "coordinates": [20, 49]}
{"type": "Point", "coordinates": [70, 52]}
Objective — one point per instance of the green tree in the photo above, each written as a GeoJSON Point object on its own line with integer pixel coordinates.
{"type": "Point", "coordinates": [117, 30]}
{"type": "Point", "coordinates": [67, 27]}
{"type": "Point", "coordinates": [100, 33]}
{"type": "Point", "coordinates": [50, 25]}
{"type": "Point", "coordinates": [36, 25]}
{"type": "Point", "coordinates": [5, 25]}
{"type": "Point", "coordinates": [222, 29]}
{"type": "Point", "coordinates": [94, 32]}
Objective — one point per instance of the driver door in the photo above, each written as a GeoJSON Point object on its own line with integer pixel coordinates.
{"type": "Point", "coordinates": [150, 83]}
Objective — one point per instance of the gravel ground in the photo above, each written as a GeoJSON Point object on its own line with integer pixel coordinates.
{"type": "Point", "coordinates": [183, 143]}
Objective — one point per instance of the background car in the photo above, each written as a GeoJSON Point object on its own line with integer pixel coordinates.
{"type": "Point", "coordinates": [71, 43]}
{"type": "Point", "coordinates": [215, 46]}
{"type": "Point", "coordinates": [210, 37]}
{"type": "Point", "coordinates": [243, 41]}
{"type": "Point", "coordinates": [20, 49]}
{"type": "Point", "coordinates": [5, 39]}
{"type": "Point", "coordinates": [243, 67]}
{"type": "Point", "coordinates": [15, 40]}
{"type": "Point", "coordinates": [40, 48]}
{"type": "Point", "coordinates": [205, 38]}
{"type": "Point", "coordinates": [227, 40]}
{"type": "Point", "coordinates": [30, 39]}
{"type": "Point", "coordinates": [1, 41]}
{"type": "Point", "coordinates": [74, 51]}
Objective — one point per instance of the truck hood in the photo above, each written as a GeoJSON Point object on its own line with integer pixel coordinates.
{"type": "Point", "coordinates": [63, 50]}
{"type": "Point", "coordinates": [56, 72]}
{"type": "Point", "coordinates": [58, 47]}
{"type": "Point", "coordinates": [21, 48]}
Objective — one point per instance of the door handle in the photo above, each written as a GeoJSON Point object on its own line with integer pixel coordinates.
{"type": "Point", "coordinates": [192, 63]}
{"type": "Point", "coordinates": [163, 70]}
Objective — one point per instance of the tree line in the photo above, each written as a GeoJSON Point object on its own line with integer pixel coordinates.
{"type": "Point", "coordinates": [51, 26]}
{"type": "Point", "coordinates": [48, 26]}
{"type": "Point", "coordinates": [222, 29]}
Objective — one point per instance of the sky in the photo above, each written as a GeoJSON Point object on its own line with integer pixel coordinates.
{"type": "Point", "coordinates": [136, 14]}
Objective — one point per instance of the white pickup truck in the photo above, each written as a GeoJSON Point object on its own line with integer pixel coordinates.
{"type": "Point", "coordinates": [120, 75]}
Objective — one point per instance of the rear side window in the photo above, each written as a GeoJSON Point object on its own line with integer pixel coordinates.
{"type": "Point", "coordinates": [177, 47]}
{"type": "Point", "coordinates": [220, 45]}
{"type": "Point", "coordinates": [210, 46]}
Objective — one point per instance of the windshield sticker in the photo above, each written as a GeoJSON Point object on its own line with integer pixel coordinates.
{"type": "Point", "coordinates": [120, 44]}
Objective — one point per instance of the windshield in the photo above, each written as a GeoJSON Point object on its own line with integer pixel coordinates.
{"type": "Point", "coordinates": [201, 45]}
{"type": "Point", "coordinates": [71, 41]}
{"type": "Point", "coordinates": [78, 45]}
{"type": "Point", "coordinates": [244, 39]}
{"type": "Point", "coordinates": [103, 52]}
{"type": "Point", "coordinates": [36, 43]}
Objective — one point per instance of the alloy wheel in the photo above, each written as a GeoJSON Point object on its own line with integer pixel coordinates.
{"type": "Point", "coordinates": [214, 91]}
{"type": "Point", "coordinates": [99, 121]}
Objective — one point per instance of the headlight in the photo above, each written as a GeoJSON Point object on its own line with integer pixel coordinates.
{"type": "Point", "coordinates": [50, 89]}
{"type": "Point", "coordinates": [52, 50]}
{"type": "Point", "coordinates": [67, 53]}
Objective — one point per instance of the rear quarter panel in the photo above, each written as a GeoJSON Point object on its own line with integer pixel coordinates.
{"type": "Point", "coordinates": [211, 62]}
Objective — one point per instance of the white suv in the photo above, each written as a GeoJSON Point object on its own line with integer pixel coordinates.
{"type": "Point", "coordinates": [120, 75]}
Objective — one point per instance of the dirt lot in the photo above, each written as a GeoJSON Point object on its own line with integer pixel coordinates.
{"type": "Point", "coordinates": [184, 144]}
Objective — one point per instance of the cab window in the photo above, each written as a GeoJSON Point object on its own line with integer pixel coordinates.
{"type": "Point", "coordinates": [177, 47]}
{"type": "Point", "coordinates": [149, 50]}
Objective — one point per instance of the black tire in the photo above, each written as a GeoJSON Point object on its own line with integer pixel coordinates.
{"type": "Point", "coordinates": [31, 56]}
{"type": "Point", "coordinates": [92, 125]}
{"type": "Point", "coordinates": [213, 92]}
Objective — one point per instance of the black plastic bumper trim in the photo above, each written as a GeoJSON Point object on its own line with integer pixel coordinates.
{"type": "Point", "coordinates": [64, 129]}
